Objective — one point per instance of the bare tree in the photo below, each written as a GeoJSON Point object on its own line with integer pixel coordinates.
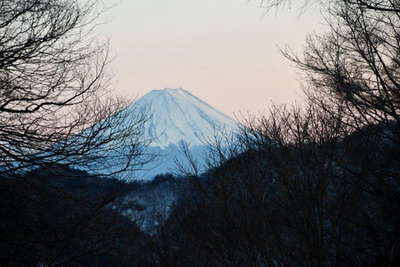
{"type": "Point", "coordinates": [318, 185]}
{"type": "Point", "coordinates": [54, 101]}
{"type": "Point", "coordinates": [57, 114]}
{"type": "Point", "coordinates": [384, 5]}
{"type": "Point", "coordinates": [354, 67]}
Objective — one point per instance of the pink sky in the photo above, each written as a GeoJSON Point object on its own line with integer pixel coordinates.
{"type": "Point", "coordinates": [223, 51]}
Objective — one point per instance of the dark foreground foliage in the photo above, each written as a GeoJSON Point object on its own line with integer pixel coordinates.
{"type": "Point", "coordinates": [333, 203]}
{"type": "Point", "coordinates": [61, 217]}
{"type": "Point", "coordinates": [330, 204]}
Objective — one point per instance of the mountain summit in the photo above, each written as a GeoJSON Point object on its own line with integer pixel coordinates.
{"type": "Point", "coordinates": [176, 115]}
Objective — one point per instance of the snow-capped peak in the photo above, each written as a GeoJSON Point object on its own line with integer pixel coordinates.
{"type": "Point", "coordinates": [176, 115]}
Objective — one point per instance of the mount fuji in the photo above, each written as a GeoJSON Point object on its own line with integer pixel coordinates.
{"type": "Point", "coordinates": [177, 117]}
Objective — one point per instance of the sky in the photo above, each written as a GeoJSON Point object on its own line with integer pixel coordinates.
{"type": "Point", "coordinates": [224, 51]}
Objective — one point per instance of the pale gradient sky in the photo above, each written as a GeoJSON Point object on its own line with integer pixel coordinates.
{"type": "Point", "coordinates": [223, 51]}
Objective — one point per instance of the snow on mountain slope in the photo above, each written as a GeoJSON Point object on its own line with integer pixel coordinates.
{"type": "Point", "coordinates": [176, 115]}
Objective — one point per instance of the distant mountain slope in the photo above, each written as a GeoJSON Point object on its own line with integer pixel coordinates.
{"type": "Point", "coordinates": [177, 115]}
